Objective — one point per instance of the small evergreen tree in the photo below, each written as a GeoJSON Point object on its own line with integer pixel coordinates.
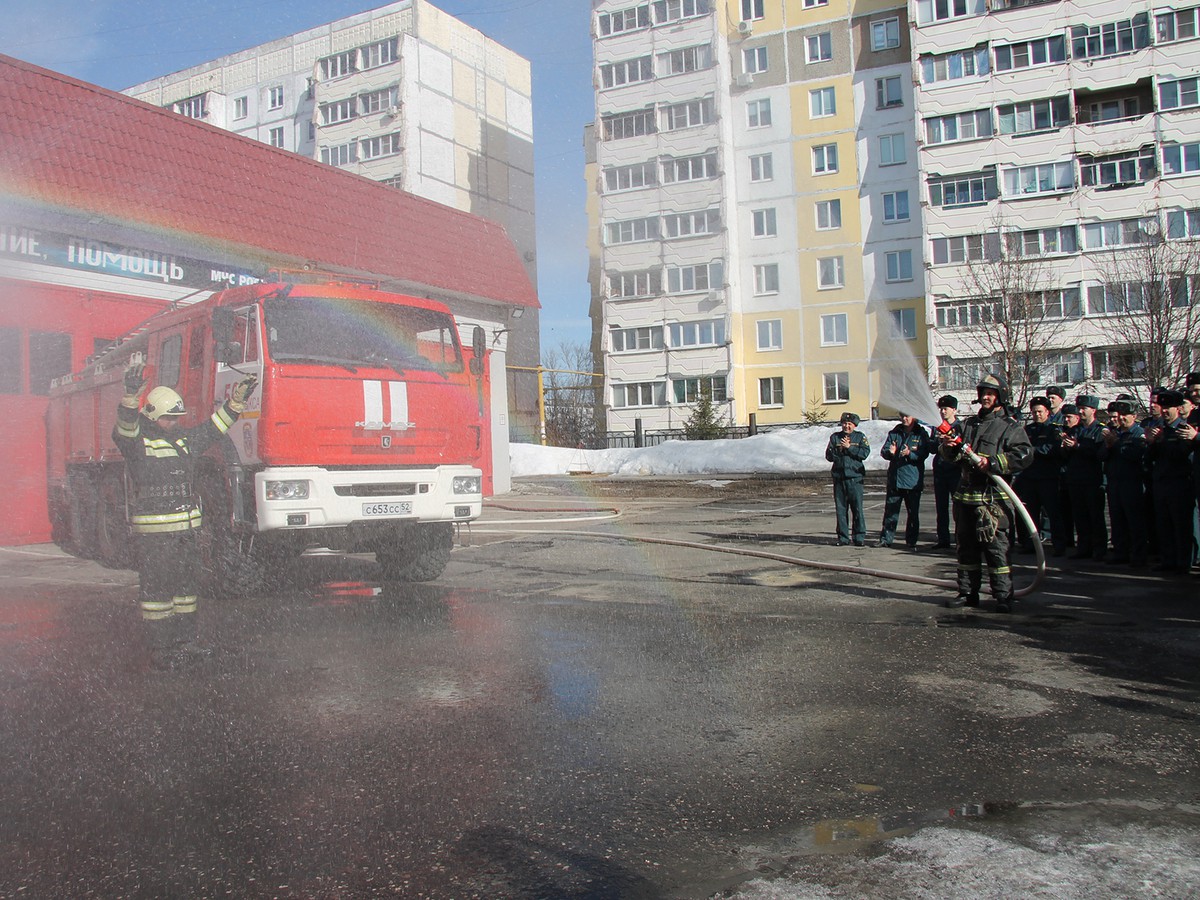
{"type": "Point", "coordinates": [704, 423]}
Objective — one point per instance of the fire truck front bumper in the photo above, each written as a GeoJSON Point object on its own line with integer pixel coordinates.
{"type": "Point", "coordinates": [314, 497]}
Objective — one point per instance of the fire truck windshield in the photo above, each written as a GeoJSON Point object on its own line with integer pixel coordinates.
{"type": "Point", "coordinates": [360, 333]}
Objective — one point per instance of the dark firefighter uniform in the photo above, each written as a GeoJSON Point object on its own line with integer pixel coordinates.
{"type": "Point", "coordinates": [982, 513]}
{"type": "Point", "coordinates": [1084, 477]}
{"type": "Point", "coordinates": [1038, 484]}
{"type": "Point", "coordinates": [1174, 495]}
{"type": "Point", "coordinates": [905, 481]}
{"type": "Point", "coordinates": [1124, 458]}
{"type": "Point", "coordinates": [848, 473]}
{"type": "Point", "coordinates": [164, 512]}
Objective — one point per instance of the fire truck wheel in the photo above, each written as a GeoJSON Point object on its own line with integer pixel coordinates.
{"type": "Point", "coordinates": [420, 554]}
{"type": "Point", "coordinates": [114, 546]}
{"type": "Point", "coordinates": [83, 516]}
{"type": "Point", "coordinates": [229, 567]}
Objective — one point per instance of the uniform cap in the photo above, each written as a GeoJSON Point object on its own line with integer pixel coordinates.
{"type": "Point", "coordinates": [1040, 401]}
{"type": "Point", "coordinates": [1192, 378]}
{"type": "Point", "coordinates": [1056, 392]}
{"type": "Point", "coordinates": [849, 417]}
{"type": "Point", "coordinates": [1170, 398]}
{"type": "Point", "coordinates": [1121, 407]}
{"type": "Point", "coordinates": [1069, 409]}
{"type": "Point", "coordinates": [948, 402]}
{"type": "Point", "coordinates": [1090, 400]}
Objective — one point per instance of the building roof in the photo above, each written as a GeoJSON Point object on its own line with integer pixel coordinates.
{"type": "Point", "coordinates": [76, 146]}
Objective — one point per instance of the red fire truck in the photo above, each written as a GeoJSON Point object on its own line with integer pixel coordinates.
{"type": "Point", "coordinates": [368, 432]}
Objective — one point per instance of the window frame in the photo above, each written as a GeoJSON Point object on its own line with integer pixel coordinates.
{"type": "Point", "coordinates": [835, 329]}
{"type": "Point", "coordinates": [770, 392]}
{"type": "Point", "coordinates": [840, 392]}
{"type": "Point", "coordinates": [764, 223]}
{"type": "Point", "coordinates": [822, 102]}
{"type": "Point", "coordinates": [834, 266]}
{"type": "Point", "coordinates": [772, 331]}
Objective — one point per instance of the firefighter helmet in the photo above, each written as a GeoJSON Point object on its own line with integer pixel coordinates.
{"type": "Point", "coordinates": [162, 401]}
{"type": "Point", "coordinates": [993, 383]}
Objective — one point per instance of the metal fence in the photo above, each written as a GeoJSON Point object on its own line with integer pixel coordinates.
{"type": "Point", "coordinates": [631, 439]}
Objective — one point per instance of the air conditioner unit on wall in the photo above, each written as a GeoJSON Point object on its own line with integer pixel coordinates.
{"type": "Point", "coordinates": [744, 80]}
{"type": "Point", "coordinates": [745, 28]}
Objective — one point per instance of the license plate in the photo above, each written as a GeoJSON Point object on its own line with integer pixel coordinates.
{"type": "Point", "coordinates": [402, 508]}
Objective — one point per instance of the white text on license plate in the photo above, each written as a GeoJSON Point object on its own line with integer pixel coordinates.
{"type": "Point", "coordinates": [402, 508]}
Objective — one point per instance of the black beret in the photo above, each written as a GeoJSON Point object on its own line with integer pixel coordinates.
{"type": "Point", "coordinates": [948, 402]}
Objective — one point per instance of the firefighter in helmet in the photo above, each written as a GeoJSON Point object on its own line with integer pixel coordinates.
{"type": "Point", "coordinates": [160, 457]}
{"type": "Point", "coordinates": [983, 517]}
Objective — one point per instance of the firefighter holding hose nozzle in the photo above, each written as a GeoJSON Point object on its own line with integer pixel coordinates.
{"type": "Point", "coordinates": [160, 457]}
{"type": "Point", "coordinates": [991, 444]}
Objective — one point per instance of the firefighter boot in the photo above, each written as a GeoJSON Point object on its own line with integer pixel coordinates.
{"type": "Point", "coordinates": [187, 642]}
{"type": "Point", "coordinates": [164, 653]}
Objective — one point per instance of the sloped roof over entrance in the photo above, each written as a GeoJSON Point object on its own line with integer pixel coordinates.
{"type": "Point", "coordinates": [72, 145]}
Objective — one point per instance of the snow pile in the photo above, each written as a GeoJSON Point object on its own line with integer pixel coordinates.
{"type": "Point", "coordinates": [783, 452]}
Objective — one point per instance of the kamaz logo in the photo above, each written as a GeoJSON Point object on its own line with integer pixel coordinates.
{"type": "Point", "coordinates": [385, 441]}
{"type": "Point", "coordinates": [379, 426]}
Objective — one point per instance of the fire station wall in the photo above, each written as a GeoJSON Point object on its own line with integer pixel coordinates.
{"type": "Point", "coordinates": [45, 331]}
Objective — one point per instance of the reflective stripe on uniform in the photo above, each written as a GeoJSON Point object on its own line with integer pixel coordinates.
{"type": "Point", "coordinates": [157, 447]}
{"type": "Point", "coordinates": [222, 418]}
{"type": "Point", "coordinates": [165, 522]}
{"type": "Point", "coordinates": [969, 567]}
{"type": "Point", "coordinates": [185, 604]}
{"type": "Point", "coordinates": [129, 429]}
{"type": "Point", "coordinates": [157, 609]}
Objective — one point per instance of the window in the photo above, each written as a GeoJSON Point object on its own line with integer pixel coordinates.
{"type": "Point", "coordinates": [966, 126]}
{"type": "Point", "coordinates": [12, 361]}
{"type": "Point", "coordinates": [964, 248]}
{"type": "Point", "coordinates": [624, 20]}
{"type": "Point", "coordinates": [766, 279]}
{"type": "Point", "coordinates": [754, 60]}
{"type": "Point", "coordinates": [891, 150]}
{"type": "Point", "coordinates": [1183, 224]}
{"type": "Point", "coordinates": [377, 101]}
{"type": "Point", "coordinates": [633, 284]}
{"type": "Point", "coordinates": [885, 35]}
{"type": "Point", "coordinates": [50, 358]}
{"type": "Point", "coordinates": [825, 159]}
{"type": "Point", "coordinates": [1111, 38]}
{"type": "Point", "coordinates": [647, 393]}
{"type": "Point", "coordinates": [962, 190]}
{"type": "Point", "coordinates": [1048, 178]}
{"type": "Point", "coordinates": [1110, 110]}
{"type": "Point", "coordinates": [379, 54]}
{"type": "Point", "coordinates": [275, 137]}
{"type": "Point", "coordinates": [1179, 94]}
{"type": "Point", "coordinates": [1040, 52]}
{"type": "Point", "coordinates": [1118, 364]}
{"type": "Point", "coordinates": [1120, 297]}
{"type": "Point", "coordinates": [340, 154]}
{"type": "Point", "coordinates": [899, 265]}
{"type": "Point", "coordinates": [1043, 241]}
{"type": "Point", "coordinates": [764, 222]}
{"type": "Point", "coordinates": [953, 66]}
{"type": "Point", "coordinates": [752, 9]}
{"type": "Point", "coordinates": [822, 102]}
{"type": "Point", "coordinates": [687, 115]}
{"type": "Point", "coordinates": [1119, 169]}
{"type": "Point", "coordinates": [904, 323]}
{"type": "Point", "coordinates": [1179, 25]}
{"type": "Point", "coordinates": [708, 333]}
{"type": "Point", "coordinates": [888, 92]}
{"type": "Point", "coordinates": [689, 59]}
{"type": "Point", "coordinates": [829, 214]}
{"type": "Point", "coordinates": [837, 387]}
{"type": "Point", "coordinates": [1062, 304]}
{"type": "Point", "coordinates": [758, 113]}
{"type": "Point", "coordinates": [1181, 159]}
{"type": "Point", "coordinates": [834, 330]}
{"type": "Point", "coordinates": [818, 47]}
{"type": "Point", "coordinates": [629, 71]}
{"type": "Point", "coordinates": [1119, 233]}
{"type": "Point", "coordinates": [631, 231]}
{"type": "Point", "coordinates": [193, 107]}
{"type": "Point", "coordinates": [338, 65]}
{"type": "Point", "coordinates": [689, 168]}
{"type": "Point", "coordinates": [689, 390]}
{"type": "Point", "coordinates": [813, 4]}
{"type": "Point", "coordinates": [967, 313]}
{"type": "Point", "coordinates": [1035, 115]}
{"type": "Point", "coordinates": [275, 97]}
{"type": "Point", "coordinates": [704, 221]}
{"type": "Point", "coordinates": [895, 206]}
{"type": "Point", "coordinates": [770, 334]}
{"type": "Point", "coordinates": [619, 126]}
{"type": "Point", "coordinates": [631, 340]}
{"type": "Point", "coordinates": [761, 168]}
{"type": "Point", "coordinates": [674, 10]}
{"type": "Point", "coordinates": [690, 279]}
{"type": "Point", "coordinates": [941, 10]}
{"type": "Point", "coordinates": [770, 392]}
{"type": "Point", "coordinates": [384, 145]}
{"type": "Point", "coordinates": [241, 107]}
{"type": "Point", "coordinates": [830, 272]}
{"type": "Point", "coordinates": [338, 111]}
{"type": "Point", "coordinates": [631, 177]}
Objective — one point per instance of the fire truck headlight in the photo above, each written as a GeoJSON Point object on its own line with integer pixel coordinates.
{"type": "Point", "coordinates": [288, 490]}
{"type": "Point", "coordinates": [466, 484]}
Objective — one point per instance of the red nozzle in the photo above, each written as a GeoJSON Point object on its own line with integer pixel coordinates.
{"type": "Point", "coordinates": [944, 427]}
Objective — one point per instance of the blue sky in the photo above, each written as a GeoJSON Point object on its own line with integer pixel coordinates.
{"type": "Point", "coordinates": [118, 43]}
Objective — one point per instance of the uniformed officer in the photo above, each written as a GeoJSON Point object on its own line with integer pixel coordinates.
{"type": "Point", "coordinates": [1170, 449]}
{"type": "Point", "coordinates": [160, 458]}
{"type": "Point", "coordinates": [1124, 458]}
{"type": "Point", "coordinates": [983, 515]}
{"type": "Point", "coordinates": [945, 473]}
{"type": "Point", "coordinates": [1038, 485]}
{"type": "Point", "coordinates": [847, 449]}
{"type": "Point", "coordinates": [1084, 475]}
{"type": "Point", "coordinates": [906, 448]}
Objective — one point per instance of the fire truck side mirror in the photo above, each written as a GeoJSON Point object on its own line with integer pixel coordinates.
{"type": "Point", "coordinates": [478, 350]}
{"type": "Point", "coordinates": [227, 349]}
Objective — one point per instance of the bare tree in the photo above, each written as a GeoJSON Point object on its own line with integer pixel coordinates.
{"type": "Point", "coordinates": [572, 395]}
{"type": "Point", "coordinates": [1150, 298]}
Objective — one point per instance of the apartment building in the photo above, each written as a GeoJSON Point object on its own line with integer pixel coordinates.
{"type": "Point", "coordinates": [404, 94]}
{"type": "Point", "coordinates": [1059, 146]}
{"type": "Point", "coordinates": [758, 233]}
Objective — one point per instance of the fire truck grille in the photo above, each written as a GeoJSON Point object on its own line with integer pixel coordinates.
{"type": "Point", "coordinates": [375, 490]}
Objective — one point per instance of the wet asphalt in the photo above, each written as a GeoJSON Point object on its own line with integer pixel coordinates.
{"type": "Point", "coordinates": [568, 714]}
